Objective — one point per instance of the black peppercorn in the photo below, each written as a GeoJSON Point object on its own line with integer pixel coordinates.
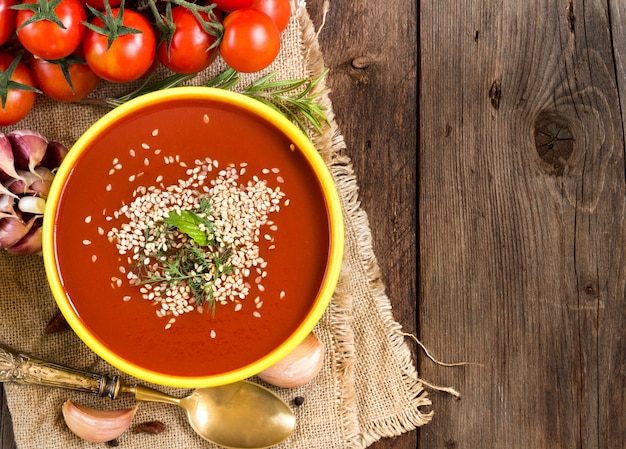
{"type": "Point", "coordinates": [298, 401]}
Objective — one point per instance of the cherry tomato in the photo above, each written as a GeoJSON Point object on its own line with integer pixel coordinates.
{"type": "Point", "coordinates": [232, 5]}
{"type": "Point", "coordinates": [188, 49]}
{"type": "Point", "coordinates": [130, 55]}
{"type": "Point", "coordinates": [251, 40]}
{"type": "Point", "coordinates": [45, 38]}
{"type": "Point", "coordinates": [19, 93]}
{"type": "Point", "coordinates": [99, 4]}
{"type": "Point", "coordinates": [7, 20]}
{"type": "Point", "coordinates": [50, 78]}
{"type": "Point", "coordinates": [278, 10]}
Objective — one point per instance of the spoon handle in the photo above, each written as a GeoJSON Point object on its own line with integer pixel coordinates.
{"type": "Point", "coordinates": [23, 368]}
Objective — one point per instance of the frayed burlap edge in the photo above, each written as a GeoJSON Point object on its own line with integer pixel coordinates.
{"type": "Point", "coordinates": [331, 145]}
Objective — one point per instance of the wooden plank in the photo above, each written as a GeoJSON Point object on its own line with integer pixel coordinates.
{"type": "Point", "coordinates": [6, 429]}
{"type": "Point", "coordinates": [522, 223]}
{"type": "Point", "coordinates": [371, 50]}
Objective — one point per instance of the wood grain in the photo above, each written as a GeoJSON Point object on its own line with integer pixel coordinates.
{"type": "Point", "coordinates": [521, 232]}
{"type": "Point", "coordinates": [371, 49]}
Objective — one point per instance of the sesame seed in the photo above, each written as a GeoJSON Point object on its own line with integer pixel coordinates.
{"type": "Point", "coordinates": [86, 242]}
{"type": "Point", "coordinates": [155, 132]}
{"type": "Point", "coordinates": [88, 219]}
{"type": "Point", "coordinates": [205, 118]}
{"type": "Point", "coordinates": [145, 146]}
{"type": "Point", "coordinates": [131, 152]}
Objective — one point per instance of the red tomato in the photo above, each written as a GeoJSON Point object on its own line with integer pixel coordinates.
{"type": "Point", "coordinates": [232, 5]}
{"type": "Point", "coordinates": [51, 80]}
{"type": "Point", "coordinates": [251, 40]}
{"type": "Point", "coordinates": [278, 10]}
{"type": "Point", "coordinates": [188, 49]}
{"type": "Point", "coordinates": [130, 55]}
{"type": "Point", "coordinates": [20, 96]}
{"type": "Point", "coordinates": [7, 20]}
{"type": "Point", "coordinates": [45, 38]}
{"type": "Point", "coordinates": [99, 4]}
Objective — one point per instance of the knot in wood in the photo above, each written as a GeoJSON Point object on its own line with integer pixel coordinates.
{"type": "Point", "coordinates": [361, 62]}
{"type": "Point", "coordinates": [554, 142]}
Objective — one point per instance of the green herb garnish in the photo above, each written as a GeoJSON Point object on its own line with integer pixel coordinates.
{"type": "Point", "coordinates": [187, 251]}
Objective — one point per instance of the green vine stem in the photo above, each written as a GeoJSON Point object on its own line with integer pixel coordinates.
{"type": "Point", "coordinates": [296, 99]}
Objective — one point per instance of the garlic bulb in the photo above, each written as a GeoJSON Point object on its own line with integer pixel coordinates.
{"type": "Point", "coordinates": [97, 426]}
{"type": "Point", "coordinates": [28, 161]}
{"type": "Point", "coordinates": [299, 366]}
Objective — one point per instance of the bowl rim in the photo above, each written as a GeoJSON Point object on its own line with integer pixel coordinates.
{"type": "Point", "coordinates": [329, 191]}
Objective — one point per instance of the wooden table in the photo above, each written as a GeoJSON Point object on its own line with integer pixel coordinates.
{"type": "Point", "coordinates": [371, 50]}
{"type": "Point", "coordinates": [522, 222]}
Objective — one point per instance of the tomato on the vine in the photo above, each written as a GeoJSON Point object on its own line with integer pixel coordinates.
{"type": "Point", "coordinates": [251, 40]}
{"type": "Point", "coordinates": [133, 46]}
{"type": "Point", "coordinates": [52, 78]}
{"type": "Point", "coordinates": [232, 5]}
{"type": "Point", "coordinates": [187, 50]}
{"type": "Point", "coordinates": [278, 10]}
{"type": "Point", "coordinates": [50, 29]}
{"type": "Point", "coordinates": [17, 89]}
{"type": "Point", "coordinates": [7, 20]}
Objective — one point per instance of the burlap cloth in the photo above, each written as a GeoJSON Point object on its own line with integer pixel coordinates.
{"type": "Point", "coordinates": [367, 389]}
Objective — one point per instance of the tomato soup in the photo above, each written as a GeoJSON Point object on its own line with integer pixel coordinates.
{"type": "Point", "coordinates": [157, 147]}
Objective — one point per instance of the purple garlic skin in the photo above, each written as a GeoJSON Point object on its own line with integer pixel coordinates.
{"type": "Point", "coordinates": [29, 148]}
{"type": "Point", "coordinates": [27, 165]}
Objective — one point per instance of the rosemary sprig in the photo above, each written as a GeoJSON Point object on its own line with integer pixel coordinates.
{"type": "Point", "coordinates": [296, 99]}
{"type": "Point", "coordinates": [198, 263]}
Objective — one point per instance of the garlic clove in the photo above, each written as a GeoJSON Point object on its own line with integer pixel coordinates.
{"type": "Point", "coordinates": [55, 153]}
{"type": "Point", "coordinates": [13, 229]}
{"type": "Point", "coordinates": [41, 186]}
{"type": "Point", "coordinates": [298, 367]}
{"type": "Point", "coordinates": [29, 148]}
{"type": "Point", "coordinates": [97, 426]}
{"type": "Point", "coordinates": [7, 159]}
{"type": "Point", "coordinates": [7, 206]}
{"type": "Point", "coordinates": [29, 244]}
{"type": "Point", "coordinates": [32, 205]}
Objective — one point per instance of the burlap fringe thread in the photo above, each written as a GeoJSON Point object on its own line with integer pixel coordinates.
{"type": "Point", "coordinates": [343, 173]}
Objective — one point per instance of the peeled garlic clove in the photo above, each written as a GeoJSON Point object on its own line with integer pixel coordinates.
{"type": "Point", "coordinates": [32, 205]}
{"type": "Point", "coordinates": [299, 366]}
{"type": "Point", "coordinates": [97, 426]}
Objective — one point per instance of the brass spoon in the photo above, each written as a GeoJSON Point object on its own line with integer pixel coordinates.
{"type": "Point", "coordinates": [242, 415]}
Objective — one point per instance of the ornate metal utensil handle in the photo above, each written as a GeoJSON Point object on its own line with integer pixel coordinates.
{"type": "Point", "coordinates": [23, 368]}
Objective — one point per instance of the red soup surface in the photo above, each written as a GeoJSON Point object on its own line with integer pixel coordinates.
{"type": "Point", "coordinates": [157, 147]}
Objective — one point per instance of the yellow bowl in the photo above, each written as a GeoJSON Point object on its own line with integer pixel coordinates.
{"type": "Point", "coordinates": [163, 134]}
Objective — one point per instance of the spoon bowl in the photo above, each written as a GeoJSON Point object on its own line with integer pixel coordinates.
{"type": "Point", "coordinates": [241, 415]}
